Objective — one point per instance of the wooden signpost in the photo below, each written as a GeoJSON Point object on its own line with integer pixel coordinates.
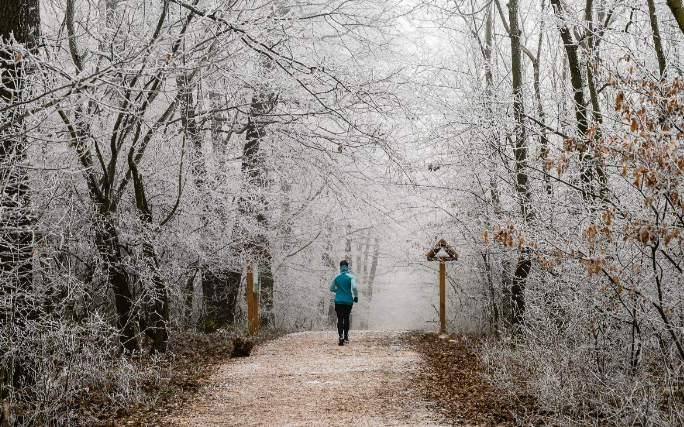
{"type": "Point", "coordinates": [252, 302]}
{"type": "Point", "coordinates": [442, 252]}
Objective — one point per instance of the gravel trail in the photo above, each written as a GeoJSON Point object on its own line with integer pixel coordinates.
{"type": "Point", "coordinates": [306, 379]}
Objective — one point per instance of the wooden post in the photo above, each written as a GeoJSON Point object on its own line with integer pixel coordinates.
{"type": "Point", "coordinates": [442, 252]}
{"type": "Point", "coordinates": [255, 312]}
{"type": "Point", "coordinates": [5, 414]}
{"type": "Point", "coordinates": [442, 297]}
{"type": "Point", "coordinates": [252, 303]}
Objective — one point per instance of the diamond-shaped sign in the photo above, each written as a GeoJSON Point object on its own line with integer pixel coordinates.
{"type": "Point", "coordinates": [442, 252]}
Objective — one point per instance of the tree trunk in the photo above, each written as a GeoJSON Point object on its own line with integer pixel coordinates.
{"type": "Point", "coordinates": [520, 153]}
{"type": "Point", "coordinates": [348, 245]}
{"type": "Point", "coordinates": [592, 44]}
{"type": "Point", "coordinates": [159, 304]}
{"type": "Point", "coordinates": [109, 247]}
{"type": "Point", "coordinates": [656, 37]}
{"type": "Point", "coordinates": [100, 191]}
{"type": "Point", "coordinates": [251, 224]}
{"type": "Point", "coordinates": [486, 259]}
{"type": "Point", "coordinates": [494, 149]}
{"type": "Point", "coordinates": [220, 291]}
{"type": "Point", "coordinates": [159, 299]}
{"type": "Point", "coordinates": [543, 138]}
{"type": "Point", "coordinates": [189, 291]}
{"type": "Point", "coordinates": [287, 238]}
{"type": "Point", "coordinates": [373, 269]}
{"type": "Point", "coordinates": [20, 23]}
{"type": "Point", "coordinates": [199, 170]}
{"type": "Point", "coordinates": [220, 285]}
{"type": "Point", "coordinates": [591, 170]}
{"type": "Point", "coordinates": [107, 235]}
{"type": "Point", "coordinates": [678, 12]}
{"type": "Point", "coordinates": [328, 262]}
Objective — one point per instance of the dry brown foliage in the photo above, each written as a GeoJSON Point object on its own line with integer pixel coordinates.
{"type": "Point", "coordinates": [456, 380]}
{"type": "Point", "coordinates": [190, 361]}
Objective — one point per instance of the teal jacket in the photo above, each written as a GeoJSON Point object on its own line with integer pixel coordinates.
{"type": "Point", "coordinates": [343, 285]}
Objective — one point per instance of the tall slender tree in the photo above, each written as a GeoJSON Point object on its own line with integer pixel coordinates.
{"type": "Point", "coordinates": [19, 35]}
{"type": "Point", "coordinates": [522, 188]}
{"type": "Point", "coordinates": [657, 40]}
{"type": "Point", "coordinates": [592, 174]}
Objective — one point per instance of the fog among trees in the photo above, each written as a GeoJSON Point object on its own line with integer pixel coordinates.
{"type": "Point", "coordinates": [150, 149]}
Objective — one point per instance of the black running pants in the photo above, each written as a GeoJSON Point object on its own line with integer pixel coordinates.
{"type": "Point", "coordinates": [343, 311]}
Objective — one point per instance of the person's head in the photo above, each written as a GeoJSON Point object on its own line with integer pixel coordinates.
{"type": "Point", "coordinates": [344, 264]}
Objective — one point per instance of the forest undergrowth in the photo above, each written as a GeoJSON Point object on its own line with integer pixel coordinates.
{"type": "Point", "coordinates": [457, 381]}
{"type": "Point", "coordinates": [167, 383]}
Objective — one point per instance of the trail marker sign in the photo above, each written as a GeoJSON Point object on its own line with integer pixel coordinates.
{"type": "Point", "coordinates": [442, 252]}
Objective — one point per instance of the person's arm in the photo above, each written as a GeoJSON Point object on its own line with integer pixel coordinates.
{"type": "Point", "coordinates": [332, 285]}
{"type": "Point", "coordinates": [355, 288]}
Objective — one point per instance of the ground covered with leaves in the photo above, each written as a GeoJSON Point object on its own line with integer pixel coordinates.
{"type": "Point", "coordinates": [166, 382]}
{"type": "Point", "coordinates": [455, 378]}
{"type": "Point", "coordinates": [452, 377]}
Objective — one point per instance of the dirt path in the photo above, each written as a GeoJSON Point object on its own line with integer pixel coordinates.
{"type": "Point", "coordinates": [305, 379]}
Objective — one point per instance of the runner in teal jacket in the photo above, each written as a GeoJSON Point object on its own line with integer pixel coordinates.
{"type": "Point", "coordinates": [346, 294]}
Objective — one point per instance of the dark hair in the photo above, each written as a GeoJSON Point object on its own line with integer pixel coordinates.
{"type": "Point", "coordinates": [344, 263]}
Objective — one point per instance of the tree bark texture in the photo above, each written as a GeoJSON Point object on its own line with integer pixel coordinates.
{"type": "Point", "coordinates": [520, 154]}
{"type": "Point", "coordinates": [678, 12]}
{"type": "Point", "coordinates": [592, 44]}
{"type": "Point", "coordinates": [19, 22]}
{"type": "Point", "coordinates": [107, 235]}
{"type": "Point", "coordinates": [158, 300]}
{"type": "Point", "coordinates": [543, 138]}
{"type": "Point", "coordinates": [657, 43]}
{"type": "Point", "coordinates": [109, 247]}
{"type": "Point", "coordinates": [326, 258]}
{"type": "Point", "coordinates": [590, 169]}
{"type": "Point", "coordinates": [19, 31]}
{"type": "Point", "coordinates": [493, 149]}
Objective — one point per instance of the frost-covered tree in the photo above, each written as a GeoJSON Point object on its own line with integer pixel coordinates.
{"type": "Point", "coordinates": [19, 35]}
